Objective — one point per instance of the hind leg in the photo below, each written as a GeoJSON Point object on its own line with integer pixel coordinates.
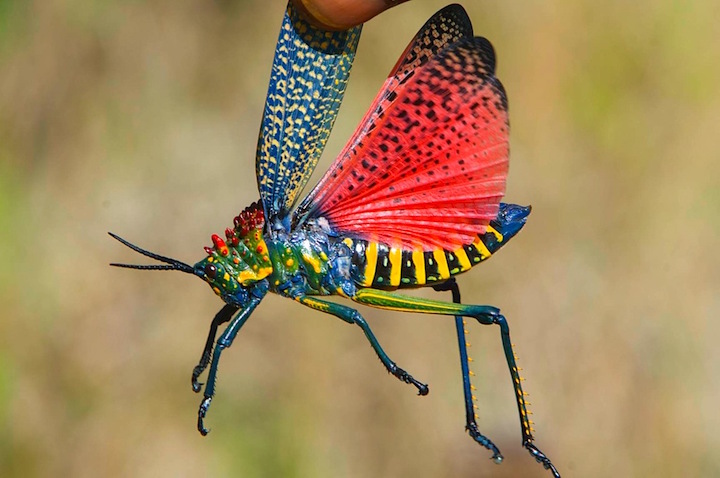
{"type": "Point", "coordinates": [486, 315]}
{"type": "Point", "coordinates": [470, 418]}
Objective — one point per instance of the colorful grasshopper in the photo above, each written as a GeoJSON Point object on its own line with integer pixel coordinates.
{"type": "Point", "coordinates": [412, 200]}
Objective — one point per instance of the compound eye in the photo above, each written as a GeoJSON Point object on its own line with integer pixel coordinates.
{"type": "Point", "coordinates": [210, 271]}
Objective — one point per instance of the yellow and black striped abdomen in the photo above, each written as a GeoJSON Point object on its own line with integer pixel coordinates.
{"type": "Point", "coordinates": [380, 266]}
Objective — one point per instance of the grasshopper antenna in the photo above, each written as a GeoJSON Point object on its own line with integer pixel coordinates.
{"type": "Point", "coordinates": [170, 264]}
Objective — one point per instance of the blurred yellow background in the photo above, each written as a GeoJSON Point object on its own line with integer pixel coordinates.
{"type": "Point", "coordinates": [141, 118]}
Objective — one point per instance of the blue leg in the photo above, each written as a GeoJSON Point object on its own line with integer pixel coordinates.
{"type": "Point", "coordinates": [525, 422]}
{"type": "Point", "coordinates": [352, 316]}
{"type": "Point", "coordinates": [221, 317]}
{"type": "Point", "coordinates": [225, 341]}
{"type": "Point", "coordinates": [484, 314]}
{"type": "Point", "coordinates": [470, 419]}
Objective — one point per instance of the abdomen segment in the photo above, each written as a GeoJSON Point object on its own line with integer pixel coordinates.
{"type": "Point", "coordinates": [378, 265]}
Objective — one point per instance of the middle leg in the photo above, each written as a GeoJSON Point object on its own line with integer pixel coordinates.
{"type": "Point", "coordinates": [352, 316]}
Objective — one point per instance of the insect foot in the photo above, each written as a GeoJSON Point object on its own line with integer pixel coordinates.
{"type": "Point", "coordinates": [402, 375]}
{"type": "Point", "coordinates": [202, 411]}
{"type": "Point", "coordinates": [475, 434]}
{"type": "Point", "coordinates": [541, 458]}
{"type": "Point", "coordinates": [196, 386]}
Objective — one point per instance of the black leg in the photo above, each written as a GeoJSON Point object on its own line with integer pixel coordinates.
{"type": "Point", "coordinates": [224, 315]}
{"type": "Point", "coordinates": [470, 418]}
{"type": "Point", "coordinates": [525, 422]}
{"type": "Point", "coordinates": [225, 341]}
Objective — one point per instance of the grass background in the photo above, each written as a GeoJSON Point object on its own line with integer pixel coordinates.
{"type": "Point", "coordinates": [141, 118]}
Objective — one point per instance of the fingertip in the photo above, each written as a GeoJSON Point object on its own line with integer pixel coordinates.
{"type": "Point", "coordinates": [342, 14]}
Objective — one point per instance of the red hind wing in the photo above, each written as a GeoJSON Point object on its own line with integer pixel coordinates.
{"type": "Point", "coordinates": [429, 167]}
{"type": "Point", "coordinates": [442, 29]}
{"type": "Point", "coordinates": [447, 26]}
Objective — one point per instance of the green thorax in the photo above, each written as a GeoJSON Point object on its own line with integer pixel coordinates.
{"type": "Point", "coordinates": [244, 257]}
{"type": "Point", "coordinates": [303, 254]}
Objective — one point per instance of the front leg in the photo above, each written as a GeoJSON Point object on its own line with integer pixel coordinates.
{"type": "Point", "coordinates": [352, 316]}
{"type": "Point", "coordinates": [224, 315]}
{"type": "Point", "coordinates": [225, 341]}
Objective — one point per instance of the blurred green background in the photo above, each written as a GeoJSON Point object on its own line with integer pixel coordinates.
{"type": "Point", "coordinates": [141, 118]}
